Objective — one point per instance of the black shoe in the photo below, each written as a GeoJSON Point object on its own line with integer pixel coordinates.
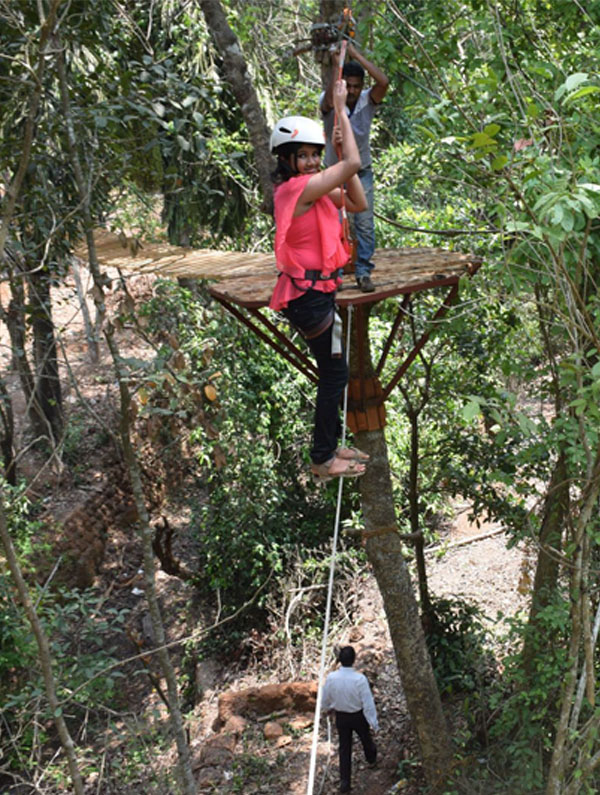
{"type": "Point", "coordinates": [365, 284]}
{"type": "Point", "coordinates": [344, 787]}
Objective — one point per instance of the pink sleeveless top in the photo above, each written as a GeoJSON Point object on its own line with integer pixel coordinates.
{"type": "Point", "coordinates": [311, 241]}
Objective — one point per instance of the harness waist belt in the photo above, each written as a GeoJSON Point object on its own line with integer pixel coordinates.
{"type": "Point", "coordinates": [317, 276]}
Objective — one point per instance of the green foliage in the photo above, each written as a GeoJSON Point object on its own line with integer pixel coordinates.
{"type": "Point", "coordinates": [457, 643]}
{"type": "Point", "coordinates": [524, 703]}
{"type": "Point", "coordinates": [510, 719]}
{"type": "Point", "coordinates": [249, 768]}
{"type": "Point", "coordinates": [81, 645]}
{"type": "Point", "coordinates": [138, 745]}
{"type": "Point", "coordinates": [250, 441]}
{"type": "Point", "coordinates": [16, 644]}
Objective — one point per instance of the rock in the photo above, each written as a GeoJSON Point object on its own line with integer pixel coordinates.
{"type": "Point", "coordinates": [206, 676]}
{"type": "Point", "coordinates": [293, 696]}
{"type": "Point", "coordinates": [301, 722]}
{"type": "Point", "coordinates": [209, 778]}
{"type": "Point", "coordinates": [216, 752]}
{"type": "Point", "coordinates": [285, 739]}
{"type": "Point", "coordinates": [235, 725]}
{"type": "Point", "coordinates": [273, 730]}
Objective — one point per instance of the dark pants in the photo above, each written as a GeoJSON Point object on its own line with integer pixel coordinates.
{"type": "Point", "coordinates": [305, 313]}
{"type": "Point", "coordinates": [346, 723]}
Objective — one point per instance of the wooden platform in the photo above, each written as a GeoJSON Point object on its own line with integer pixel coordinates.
{"type": "Point", "coordinates": [248, 279]}
{"type": "Point", "coordinates": [397, 272]}
{"type": "Point", "coordinates": [243, 284]}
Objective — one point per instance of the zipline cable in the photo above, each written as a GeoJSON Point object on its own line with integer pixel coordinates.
{"type": "Point", "coordinates": [442, 232]}
{"type": "Point", "coordinates": [315, 737]}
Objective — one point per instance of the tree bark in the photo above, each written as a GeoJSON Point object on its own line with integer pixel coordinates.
{"type": "Point", "coordinates": [562, 751]}
{"type": "Point", "coordinates": [84, 196]}
{"type": "Point", "coordinates": [236, 73]}
{"type": "Point", "coordinates": [415, 529]}
{"type": "Point", "coordinates": [7, 434]}
{"type": "Point", "coordinates": [556, 511]}
{"type": "Point", "coordinates": [48, 393]}
{"type": "Point", "coordinates": [384, 551]}
{"type": "Point", "coordinates": [14, 318]}
{"type": "Point", "coordinates": [91, 330]}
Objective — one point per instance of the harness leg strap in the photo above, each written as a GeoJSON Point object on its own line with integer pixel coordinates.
{"type": "Point", "coordinates": [336, 336]}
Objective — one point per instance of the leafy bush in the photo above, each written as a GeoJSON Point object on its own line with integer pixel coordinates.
{"type": "Point", "coordinates": [509, 725]}
{"type": "Point", "coordinates": [81, 644]}
{"type": "Point", "coordinates": [250, 437]}
{"type": "Point", "coordinates": [456, 641]}
{"type": "Point", "coordinates": [525, 701]}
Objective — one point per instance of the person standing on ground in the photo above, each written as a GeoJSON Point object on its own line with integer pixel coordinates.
{"type": "Point", "coordinates": [361, 105]}
{"type": "Point", "coordinates": [348, 693]}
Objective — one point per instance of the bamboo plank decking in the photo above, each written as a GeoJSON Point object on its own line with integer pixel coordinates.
{"type": "Point", "coordinates": [247, 279]}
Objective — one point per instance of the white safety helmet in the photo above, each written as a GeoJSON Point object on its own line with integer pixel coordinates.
{"type": "Point", "coordinates": [297, 130]}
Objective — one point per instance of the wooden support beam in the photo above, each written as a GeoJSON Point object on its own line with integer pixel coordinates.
{"type": "Point", "coordinates": [293, 354]}
{"type": "Point", "coordinates": [420, 343]}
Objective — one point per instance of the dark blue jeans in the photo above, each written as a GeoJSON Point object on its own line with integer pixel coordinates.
{"type": "Point", "coordinates": [305, 313]}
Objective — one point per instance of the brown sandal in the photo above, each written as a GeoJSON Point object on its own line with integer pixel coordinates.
{"type": "Point", "coordinates": [352, 454]}
{"type": "Point", "coordinates": [322, 472]}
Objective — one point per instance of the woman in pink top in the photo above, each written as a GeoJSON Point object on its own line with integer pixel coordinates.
{"type": "Point", "coordinates": [310, 256]}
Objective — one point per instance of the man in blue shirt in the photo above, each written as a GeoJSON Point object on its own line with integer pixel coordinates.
{"type": "Point", "coordinates": [361, 105]}
{"type": "Point", "coordinates": [348, 693]}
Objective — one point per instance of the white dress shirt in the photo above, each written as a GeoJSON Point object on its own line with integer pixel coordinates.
{"type": "Point", "coordinates": [347, 690]}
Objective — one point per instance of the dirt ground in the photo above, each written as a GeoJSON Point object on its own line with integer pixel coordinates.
{"type": "Point", "coordinates": [477, 567]}
{"type": "Point", "coordinates": [473, 562]}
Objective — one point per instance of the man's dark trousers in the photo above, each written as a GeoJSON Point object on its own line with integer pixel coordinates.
{"type": "Point", "coordinates": [346, 723]}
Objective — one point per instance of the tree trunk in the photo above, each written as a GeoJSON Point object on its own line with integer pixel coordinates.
{"type": "Point", "coordinates": [384, 551]}
{"type": "Point", "coordinates": [329, 11]}
{"type": "Point", "coordinates": [7, 434]}
{"type": "Point", "coordinates": [234, 67]}
{"type": "Point", "coordinates": [14, 318]}
{"type": "Point", "coordinates": [91, 330]}
{"type": "Point", "coordinates": [415, 528]}
{"type": "Point", "coordinates": [48, 391]}
{"type": "Point", "coordinates": [84, 196]}
{"type": "Point", "coordinates": [565, 741]}
{"type": "Point", "coordinates": [556, 511]}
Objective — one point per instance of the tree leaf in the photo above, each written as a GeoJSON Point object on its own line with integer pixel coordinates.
{"type": "Point", "coordinates": [491, 129]}
{"type": "Point", "coordinates": [582, 92]}
{"type": "Point", "coordinates": [471, 410]}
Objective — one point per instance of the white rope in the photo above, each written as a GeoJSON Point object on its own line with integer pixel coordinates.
{"type": "Point", "coordinates": [315, 736]}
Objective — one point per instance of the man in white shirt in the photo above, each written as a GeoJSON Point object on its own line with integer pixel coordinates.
{"type": "Point", "coordinates": [361, 106]}
{"type": "Point", "coordinates": [348, 693]}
